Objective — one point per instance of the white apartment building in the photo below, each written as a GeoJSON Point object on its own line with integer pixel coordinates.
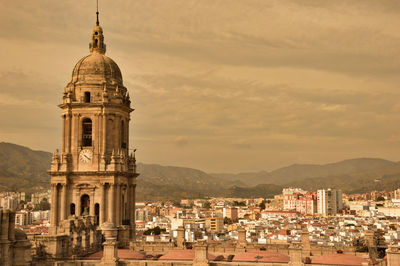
{"type": "Point", "coordinates": [329, 201]}
{"type": "Point", "coordinates": [9, 202]}
{"type": "Point", "coordinates": [290, 197]}
{"type": "Point", "coordinates": [23, 218]}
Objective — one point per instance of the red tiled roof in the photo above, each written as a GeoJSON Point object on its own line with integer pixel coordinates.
{"type": "Point", "coordinates": [185, 254]}
{"type": "Point", "coordinates": [339, 259]}
{"type": "Point", "coordinates": [37, 230]}
{"type": "Point", "coordinates": [261, 256]}
{"type": "Point", "coordinates": [122, 254]}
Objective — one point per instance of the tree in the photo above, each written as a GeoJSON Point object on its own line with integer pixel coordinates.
{"type": "Point", "coordinates": [239, 203]}
{"type": "Point", "coordinates": [44, 205]}
{"type": "Point", "coordinates": [380, 198]}
{"type": "Point", "coordinates": [262, 205]}
{"type": "Point", "coordinates": [153, 231]}
{"type": "Point", "coordinates": [227, 220]}
{"type": "Point", "coordinates": [176, 204]}
{"type": "Point", "coordinates": [207, 205]}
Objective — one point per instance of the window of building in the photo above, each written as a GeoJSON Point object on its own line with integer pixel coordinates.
{"type": "Point", "coordinates": [85, 205]}
{"type": "Point", "coordinates": [87, 97]}
{"type": "Point", "coordinates": [87, 132]}
{"type": "Point", "coordinates": [72, 209]}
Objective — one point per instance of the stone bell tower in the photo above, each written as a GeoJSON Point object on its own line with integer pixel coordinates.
{"type": "Point", "coordinates": [94, 175]}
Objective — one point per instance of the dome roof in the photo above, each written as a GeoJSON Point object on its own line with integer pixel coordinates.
{"type": "Point", "coordinates": [97, 68]}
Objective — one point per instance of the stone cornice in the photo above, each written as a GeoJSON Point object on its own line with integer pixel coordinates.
{"type": "Point", "coordinates": [92, 173]}
{"type": "Point", "coordinates": [96, 105]}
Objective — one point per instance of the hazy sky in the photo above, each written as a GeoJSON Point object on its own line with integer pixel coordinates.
{"type": "Point", "coordinates": [219, 85]}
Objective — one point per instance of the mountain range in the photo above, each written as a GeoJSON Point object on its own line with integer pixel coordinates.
{"type": "Point", "coordinates": [24, 169]}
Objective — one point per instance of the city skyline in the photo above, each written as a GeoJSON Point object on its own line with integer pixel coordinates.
{"type": "Point", "coordinates": [244, 87]}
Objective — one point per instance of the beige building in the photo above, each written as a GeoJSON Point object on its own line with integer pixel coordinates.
{"type": "Point", "coordinates": [93, 177]}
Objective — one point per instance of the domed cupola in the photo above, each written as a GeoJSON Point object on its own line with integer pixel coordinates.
{"type": "Point", "coordinates": [96, 74]}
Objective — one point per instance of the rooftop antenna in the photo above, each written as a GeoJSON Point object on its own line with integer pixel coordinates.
{"type": "Point", "coordinates": [97, 12]}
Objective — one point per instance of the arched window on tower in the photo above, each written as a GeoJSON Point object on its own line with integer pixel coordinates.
{"type": "Point", "coordinates": [87, 97]}
{"type": "Point", "coordinates": [85, 205]}
{"type": "Point", "coordinates": [96, 43]}
{"type": "Point", "coordinates": [87, 132]}
{"type": "Point", "coordinates": [123, 135]}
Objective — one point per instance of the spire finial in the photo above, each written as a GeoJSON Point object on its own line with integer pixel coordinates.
{"type": "Point", "coordinates": [97, 12]}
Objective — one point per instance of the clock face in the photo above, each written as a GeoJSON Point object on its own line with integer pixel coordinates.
{"type": "Point", "coordinates": [85, 156]}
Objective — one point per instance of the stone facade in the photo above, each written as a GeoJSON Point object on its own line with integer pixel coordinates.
{"type": "Point", "coordinates": [15, 248]}
{"type": "Point", "coordinates": [93, 177]}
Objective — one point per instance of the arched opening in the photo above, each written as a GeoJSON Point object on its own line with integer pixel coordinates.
{"type": "Point", "coordinates": [87, 97]}
{"type": "Point", "coordinates": [87, 132]}
{"type": "Point", "coordinates": [85, 205]}
{"type": "Point", "coordinates": [96, 43]}
{"type": "Point", "coordinates": [97, 212]}
{"type": "Point", "coordinates": [96, 33]}
{"type": "Point", "coordinates": [72, 209]}
{"type": "Point", "coordinates": [123, 137]}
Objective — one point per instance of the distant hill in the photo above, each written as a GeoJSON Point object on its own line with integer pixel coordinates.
{"type": "Point", "coordinates": [157, 182]}
{"type": "Point", "coordinates": [354, 175]}
{"type": "Point", "coordinates": [24, 169]}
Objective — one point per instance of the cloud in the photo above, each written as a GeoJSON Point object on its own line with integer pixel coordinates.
{"type": "Point", "coordinates": [280, 81]}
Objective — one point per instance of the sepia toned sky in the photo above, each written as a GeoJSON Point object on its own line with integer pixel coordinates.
{"type": "Point", "coordinates": [219, 85]}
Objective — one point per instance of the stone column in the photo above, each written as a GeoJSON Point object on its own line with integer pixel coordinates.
{"type": "Point", "coordinates": [117, 125]}
{"type": "Point", "coordinates": [200, 254]}
{"type": "Point", "coordinates": [69, 131]}
{"type": "Point", "coordinates": [111, 204]}
{"type": "Point", "coordinates": [104, 133]}
{"type": "Point", "coordinates": [93, 239]}
{"type": "Point", "coordinates": [118, 205]}
{"type": "Point", "coordinates": [85, 240]}
{"type": "Point", "coordinates": [5, 218]}
{"type": "Point", "coordinates": [242, 236]}
{"type": "Point", "coordinates": [5, 251]}
{"type": "Point", "coordinates": [77, 241]}
{"type": "Point", "coordinates": [91, 207]}
{"type": "Point", "coordinates": [63, 133]}
{"type": "Point", "coordinates": [102, 204]}
{"type": "Point", "coordinates": [54, 205]}
{"type": "Point", "coordinates": [11, 229]}
{"type": "Point", "coordinates": [78, 206]}
{"type": "Point", "coordinates": [305, 241]}
{"type": "Point", "coordinates": [110, 252]}
{"type": "Point", "coordinates": [295, 255]}
{"type": "Point", "coordinates": [132, 211]}
{"type": "Point", "coordinates": [63, 201]}
{"type": "Point", "coordinates": [180, 238]}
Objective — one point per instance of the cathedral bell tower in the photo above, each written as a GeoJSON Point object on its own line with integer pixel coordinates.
{"type": "Point", "coordinates": [94, 175]}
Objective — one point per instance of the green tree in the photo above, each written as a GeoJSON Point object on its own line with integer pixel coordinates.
{"type": "Point", "coordinates": [153, 231]}
{"type": "Point", "coordinates": [227, 220]}
{"type": "Point", "coordinates": [262, 205]}
{"type": "Point", "coordinates": [239, 203]}
{"type": "Point", "coordinates": [380, 198]}
{"type": "Point", "coordinates": [44, 205]}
